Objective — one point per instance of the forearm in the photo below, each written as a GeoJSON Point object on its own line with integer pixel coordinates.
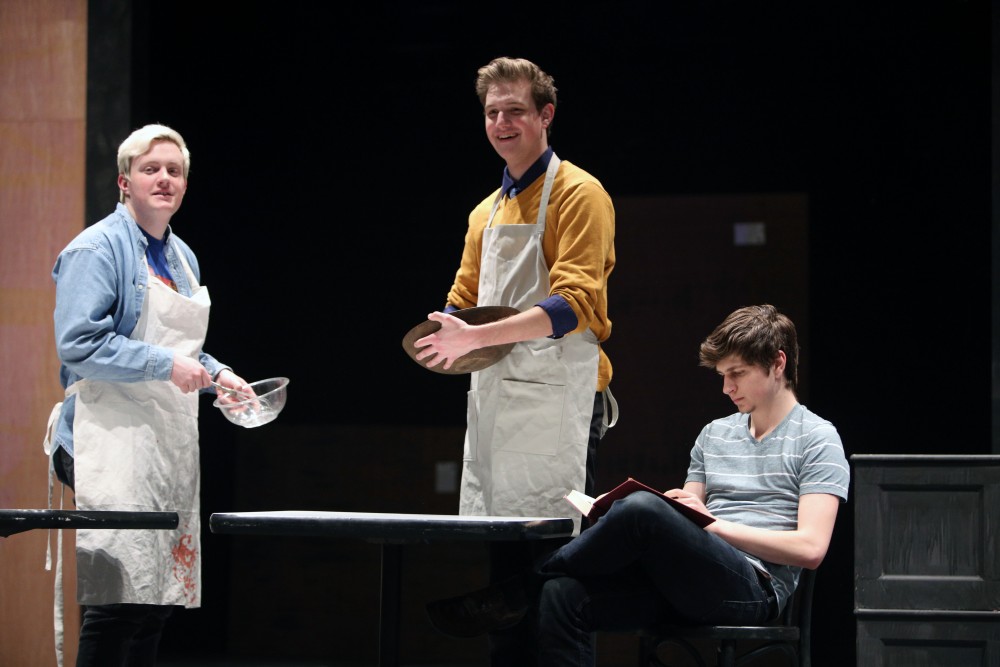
{"type": "Point", "coordinates": [532, 323]}
{"type": "Point", "coordinates": [806, 546]}
{"type": "Point", "coordinates": [131, 361]}
{"type": "Point", "coordinates": [784, 547]}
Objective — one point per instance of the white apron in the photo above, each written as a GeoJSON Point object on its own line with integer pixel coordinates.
{"type": "Point", "coordinates": [136, 449]}
{"type": "Point", "coordinates": [529, 414]}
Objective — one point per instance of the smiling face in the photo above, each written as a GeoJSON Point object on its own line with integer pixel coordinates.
{"type": "Point", "coordinates": [515, 128]}
{"type": "Point", "coordinates": [155, 186]}
{"type": "Point", "coordinates": [749, 386]}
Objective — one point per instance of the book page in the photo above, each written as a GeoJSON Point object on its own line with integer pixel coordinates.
{"type": "Point", "coordinates": [580, 501]}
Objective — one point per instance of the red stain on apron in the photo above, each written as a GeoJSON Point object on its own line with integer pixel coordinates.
{"type": "Point", "coordinates": [185, 559]}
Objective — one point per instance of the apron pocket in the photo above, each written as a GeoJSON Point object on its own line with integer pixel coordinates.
{"type": "Point", "coordinates": [529, 417]}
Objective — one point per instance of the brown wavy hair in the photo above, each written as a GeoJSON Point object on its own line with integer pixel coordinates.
{"type": "Point", "coordinates": [756, 334]}
{"type": "Point", "coordinates": [543, 88]}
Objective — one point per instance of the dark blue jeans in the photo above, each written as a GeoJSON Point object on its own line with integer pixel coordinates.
{"type": "Point", "coordinates": [121, 635]}
{"type": "Point", "coordinates": [642, 563]}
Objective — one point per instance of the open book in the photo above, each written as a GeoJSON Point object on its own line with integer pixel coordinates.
{"type": "Point", "coordinates": [594, 509]}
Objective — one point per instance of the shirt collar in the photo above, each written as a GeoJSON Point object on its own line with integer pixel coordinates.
{"type": "Point", "coordinates": [510, 187]}
{"type": "Point", "coordinates": [121, 208]}
{"type": "Point", "coordinates": [155, 242]}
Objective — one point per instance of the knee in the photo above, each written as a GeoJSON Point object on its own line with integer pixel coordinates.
{"type": "Point", "coordinates": [640, 504]}
{"type": "Point", "coordinates": [643, 514]}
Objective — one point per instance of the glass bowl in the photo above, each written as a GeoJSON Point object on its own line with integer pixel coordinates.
{"type": "Point", "coordinates": [259, 409]}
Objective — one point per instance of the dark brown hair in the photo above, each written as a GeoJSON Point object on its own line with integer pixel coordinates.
{"type": "Point", "coordinates": [755, 334]}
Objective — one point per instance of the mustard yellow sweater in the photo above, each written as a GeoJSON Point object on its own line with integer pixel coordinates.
{"type": "Point", "coordinates": [579, 248]}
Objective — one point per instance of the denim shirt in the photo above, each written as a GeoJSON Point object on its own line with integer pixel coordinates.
{"type": "Point", "coordinates": [101, 279]}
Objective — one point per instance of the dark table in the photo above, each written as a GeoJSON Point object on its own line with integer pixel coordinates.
{"type": "Point", "coordinates": [391, 531]}
{"type": "Point", "coordinates": [19, 521]}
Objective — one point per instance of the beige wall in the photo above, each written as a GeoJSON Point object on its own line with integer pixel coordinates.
{"type": "Point", "coordinates": [43, 74]}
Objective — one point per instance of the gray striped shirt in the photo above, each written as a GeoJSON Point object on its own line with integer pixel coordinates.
{"type": "Point", "coordinates": [758, 483]}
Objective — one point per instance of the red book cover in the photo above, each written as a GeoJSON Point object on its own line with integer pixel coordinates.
{"type": "Point", "coordinates": [594, 509]}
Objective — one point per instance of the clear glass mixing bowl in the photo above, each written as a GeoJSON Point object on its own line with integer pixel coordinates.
{"type": "Point", "coordinates": [263, 407]}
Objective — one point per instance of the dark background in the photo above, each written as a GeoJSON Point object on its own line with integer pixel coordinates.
{"type": "Point", "coordinates": [337, 150]}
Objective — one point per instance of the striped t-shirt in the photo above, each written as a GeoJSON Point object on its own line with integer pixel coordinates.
{"type": "Point", "coordinates": [758, 483]}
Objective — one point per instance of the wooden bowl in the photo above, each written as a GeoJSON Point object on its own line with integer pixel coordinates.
{"type": "Point", "coordinates": [476, 360]}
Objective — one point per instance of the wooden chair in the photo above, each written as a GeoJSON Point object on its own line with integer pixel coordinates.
{"type": "Point", "coordinates": [789, 634]}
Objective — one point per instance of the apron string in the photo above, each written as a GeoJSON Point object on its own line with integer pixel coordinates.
{"type": "Point", "coordinates": [610, 407]}
{"type": "Point", "coordinates": [550, 177]}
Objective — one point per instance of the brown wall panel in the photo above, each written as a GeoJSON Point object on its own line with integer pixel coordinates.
{"type": "Point", "coordinates": [42, 123]}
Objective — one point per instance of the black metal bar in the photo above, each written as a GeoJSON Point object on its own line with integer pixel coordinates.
{"type": "Point", "coordinates": [19, 521]}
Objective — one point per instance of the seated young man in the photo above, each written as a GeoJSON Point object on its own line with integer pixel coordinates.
{"type": "Point", "coordinates": [772, 475]}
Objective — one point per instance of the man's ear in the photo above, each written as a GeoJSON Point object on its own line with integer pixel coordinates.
{"type": "Point", "coordinates": [548, 113]}
{"type": "Point", "coordinates": [780, 362]}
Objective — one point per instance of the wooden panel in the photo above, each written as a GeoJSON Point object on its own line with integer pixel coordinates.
{"type": "Point", "coordinates": [42, 119]}
{"type": "Point", "coordinates": [929, 641]}
{"type": "Point", "coordinates": [44, 54]}
{"type": "Point", "coordinates": [926, 534]}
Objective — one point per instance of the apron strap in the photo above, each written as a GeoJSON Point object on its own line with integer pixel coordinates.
{"type": "Point", "coordinates": [58, 622]}
{"type": "Point", "coordinates": [187, 269]}
{"type": "Point", "coordinates": [610, 408]}
{"type": "Point", "coordinates": [50, 430]}
{"type": "Point", "coordinates": [550, 177]}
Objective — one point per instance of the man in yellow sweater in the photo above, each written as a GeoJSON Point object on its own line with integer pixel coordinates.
{"type": "Point", "coordinates": [544, 244]}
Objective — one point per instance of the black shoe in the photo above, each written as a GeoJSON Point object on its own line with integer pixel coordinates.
{"type": "Point", "coordinates": [497, 607]}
